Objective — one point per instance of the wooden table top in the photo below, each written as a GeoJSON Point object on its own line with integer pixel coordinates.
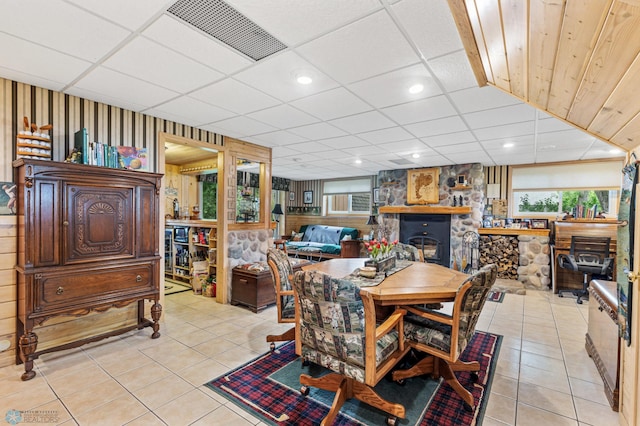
{"type": "Point", "coordinates": [416, 284]}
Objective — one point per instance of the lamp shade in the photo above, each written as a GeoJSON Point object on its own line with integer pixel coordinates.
{"type": "Point", "coordinates": [372, 220]}
{"type": "Point", "coordinates": [277, 209]}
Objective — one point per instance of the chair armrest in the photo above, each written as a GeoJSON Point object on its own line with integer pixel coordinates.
{"type": "Point", "coordinates": [607, 266]}
{"type": "Point", "coordinates": [567, 262]}
{"type": "Point", "coordinates": [285, 292]}
{"type": "Point", "coordinates": [390, 323]}
{"type": "Point", "coordinates": [435, 316]}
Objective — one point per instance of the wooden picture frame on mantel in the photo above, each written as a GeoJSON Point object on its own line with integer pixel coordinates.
{"type": "Point", "coordinates": [422, 186]}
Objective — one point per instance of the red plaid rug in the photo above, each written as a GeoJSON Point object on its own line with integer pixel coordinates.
{"type": "Point", "coordinates": [260, 388]}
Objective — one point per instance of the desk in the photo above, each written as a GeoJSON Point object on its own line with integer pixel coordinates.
{"type": "Point", "coordinates": [416, 284]}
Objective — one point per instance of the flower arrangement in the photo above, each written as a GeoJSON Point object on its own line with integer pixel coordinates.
{"type": "Point", "coordinates": [379, 249]}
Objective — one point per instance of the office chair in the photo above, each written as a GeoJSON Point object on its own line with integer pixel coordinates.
{"type": "Point", "coordinates": [589, 255]}
{"type": "Point", "coordinates": [282, 273]}
{"type": "Point", "coordinates": [338, 331]}
{"type": "Point", "coordinates": [443, 338]}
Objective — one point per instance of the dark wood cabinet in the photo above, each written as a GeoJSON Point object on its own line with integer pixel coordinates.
{"type": "Point", "coordinates": [87, 241]}
{"type": "Point", "coordinates": [350, 248]}
{"type": "Point", "coordinates": [253, 289]}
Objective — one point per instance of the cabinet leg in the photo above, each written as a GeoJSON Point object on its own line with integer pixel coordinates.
{"type": "Point", "coordinates": [156, 312]}
{"type": "Point", "coordinates": [28, 343]}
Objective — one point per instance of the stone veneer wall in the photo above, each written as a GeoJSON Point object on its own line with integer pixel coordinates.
{"type": "Point", "coordinates": [534, 270]}
{"type": "Point", "coordinates": [246, 247]}
{"type": "Point", "coordinates": [393, 192]}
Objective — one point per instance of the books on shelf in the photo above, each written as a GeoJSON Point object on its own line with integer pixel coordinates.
{"type": "Point", "coordinates": [581, 212]}
{"type": "Point", "coordinates": [105, 155]}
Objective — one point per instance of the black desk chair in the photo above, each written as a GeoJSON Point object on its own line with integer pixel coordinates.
{"type": "Point", "coordinates": [589, 255]}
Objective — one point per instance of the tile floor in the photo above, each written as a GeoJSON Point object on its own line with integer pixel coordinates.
{"type": "Point", "coordinates": [544, 375]}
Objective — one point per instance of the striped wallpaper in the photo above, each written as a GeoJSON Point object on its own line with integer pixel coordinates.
{"type": "Point", "coordinates": [68, 114]}
{"type": "Point", "coordinates": [500, 175]}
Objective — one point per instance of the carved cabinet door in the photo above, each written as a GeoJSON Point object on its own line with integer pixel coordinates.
{"type": "Point", "coordinates": [98, 223]}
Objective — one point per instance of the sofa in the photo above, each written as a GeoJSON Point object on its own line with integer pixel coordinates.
{"type": "Point", "coordinates": [319, 241]}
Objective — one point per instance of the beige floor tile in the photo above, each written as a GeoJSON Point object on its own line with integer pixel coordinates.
{"type": "Point", "coordinates": [70, 383]}
{"type": "Point", "coordinates": [203, 372]}
{"type": "Point", "coordinates": [117, 412]}
{"type": "Point", "coordinates": [532, 416]}
{"type": "Point", "coordinates": [148, 419]}
{"type": "Point", "coordinates": [505, 386]}
{"type": "Point", "coordinates": [214, 347]}
{"type": "Point", "coordinates": [551, 365]}
{"type": "Point", "coordinates": [546, 399]}
{"type": "Point", "coordinates": [223, 415]}
{"type": "Point", "coordinates": [141, 377]}
{"type": "Point", "coordinates": [542, 349]}
{"type": "Point", "coordinates": [186, 409]}
{"type": "Point", "coordinates": [589, 391]}
{"type": "Point", "coordinates": [123, 361]}
{"type": "Point", "coordinates": [159, 393]}
{"type": "Point", "coordinates": [236, 357]}
{"type": "Point", "coordinates": [501, 408]}
{"type": "Point", "coordinates": [195, 338]}
{"type": "Point", "coordinates": [595, 414]}
{"type": "Point", "coordinates": [490, 421]}
{"type": "Point", "coordinates": [83, 400]}
{"type": "Point", "coordinates": [180, 360]}
{"type": "Point", "coordinates": [27, 399]}
{"type": "Point", "coordinates": [536, 376]}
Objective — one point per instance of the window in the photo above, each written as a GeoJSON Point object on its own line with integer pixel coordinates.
{"type": "Point", "coordinates": [209, 204]}
{"type": "Point", "coordinates": [581, 189]}
{"type": "Point", "coordinates": [345, 197]}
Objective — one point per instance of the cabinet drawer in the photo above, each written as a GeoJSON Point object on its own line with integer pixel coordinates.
{"type": "Point", "coordinates": [66, 288]}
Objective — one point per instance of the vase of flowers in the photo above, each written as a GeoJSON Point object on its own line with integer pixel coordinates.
{"type": "Point", "coordinates": [380, 254]}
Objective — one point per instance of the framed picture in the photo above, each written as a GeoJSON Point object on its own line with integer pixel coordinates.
{"type": "Point", "coordinates": [525, 224]}
{"type": "Point", "coordinates": [496, 223]}
{"type": "Point", "coordinates": [307, 197]}
{"type": "Point", "coordinates": [486, 223]}
{"type": "Point", "coordinates": [422, 186]}
{"type": "Point", "coordinates": [292, 196]}
{"type": "Point", "coordinates": [376, 195]}
{"type": "Point", "coordinates": [8, 200]}
{"type": "Point", "coordinates": [539, 223]}
{"type": "Point", "coordinates": [462, 180]}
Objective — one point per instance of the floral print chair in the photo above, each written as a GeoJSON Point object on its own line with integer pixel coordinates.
{"type": "Point", "coordinates": [338, 331]}
{"type": "Point", "coordinates": [445, 337]}
{"type": "Point", "coordinates": [282, 273]}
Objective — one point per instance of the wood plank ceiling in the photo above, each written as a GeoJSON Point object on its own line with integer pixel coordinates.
{"type": "Point", "coordinates": [574, 59]}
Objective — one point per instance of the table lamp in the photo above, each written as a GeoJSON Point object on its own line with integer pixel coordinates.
{"type": "Point", "coordinates": [372, 222]}
{"type": "Point", "coordinates": [276, 212]}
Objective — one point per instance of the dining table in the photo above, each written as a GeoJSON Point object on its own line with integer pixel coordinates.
{"type": "Point", "coordinates": [418, 283]}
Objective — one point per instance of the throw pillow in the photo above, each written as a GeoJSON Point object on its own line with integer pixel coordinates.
{"type": "Point", "coordinates": [298, 236]}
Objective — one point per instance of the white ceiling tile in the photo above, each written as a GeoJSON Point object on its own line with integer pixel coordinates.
{"type": "Point", "coordinates": [453, 124]}
{"type": "Point", "coordinates": [234, 96]}
{"type": "Point", "coordinates": [281, 137]}
{"type": "Point", "coordinates": [318, 131]}
{"type": "Point", "coordinates": [500, 116]}
{"type": "Point", "coordinates": [386, 135]}
{"type": "Point", "coordinates": [244, 126]}
{"type": "Point", "coordinates": [422, 110]}
{"type": "Point", "coordinates": [393, 88]}
{"type": "Point", "coordinates": [555, 155]}
{"type": "Point", "coordinates": [344, 142]}
{"type": "Point", "coordinates": [311, 147]}
{"type": "Point", "coordinates": [453, 71]}
{"type": "Point", "coordinates": [449, 138]}
{"type": "Point", "coordinates": [430, 25]}
{"type": "Point", "coordinates": [366, 150]}
{"type": "Point", "coordinates": [460, 148]}
{"type": "Point", "coordinates": [105, 99]}
{"type": "Point", "coordinates": [124, 87]}
{"type": "Point", "coordinates": [293, 22]}
{"type": "Point", "coordinates": [276, 75]}
{"type": "Point", "coordinates": [517, 141]}
{"type": "Point", "coordinates": [469, 157]}
{"type": "Point", "coordinates": [36, 80]}
{"type": "Point", "coordinates": [354, 52]}
{"type": "Point", "coordinates": [23, 57]}
{"type": "Point", "coordinates": [362, 122]}
{"type": "Point", "coordinates": [552, 125]}
{"type": "Point", "coordinates": [196, 112]}
{"type": "Point", "coordinates": [283, 116]}
{"type": "Point", "coordinates": [332, 104]}
{"type": "Point", "coordinates": [149, 61]}
{"type": "Point", "coordinates": [131, 14]}
{"type": "Point", "coordinates": [405, 148]}
{"type": "Point", "coordinates": [481, 98]}
{"type": "Point", "coordinates": [181, 37]}
{"type": "Point", "coordinates": [32, 21]}
{"type": "Point", "coordinates": [505, 131]}
{"type": "Point", "coordinates": [331, 155]}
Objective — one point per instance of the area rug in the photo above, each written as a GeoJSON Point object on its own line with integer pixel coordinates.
{"type": "Point", "coordinates": [269, 388]}
{"type": "Point", "coordinates": [171, 287]}
{"type": "Point", "coordinates": [495, 296]}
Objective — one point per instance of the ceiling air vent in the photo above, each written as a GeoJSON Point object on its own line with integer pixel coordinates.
{"type": "Point", "coordinates": [226, 24]}
{"type": "Point", "coordinates": [401, 162]}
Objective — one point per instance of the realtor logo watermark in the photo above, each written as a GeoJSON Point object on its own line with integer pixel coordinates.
{"type": "Point", "coordinates": [14, 417]}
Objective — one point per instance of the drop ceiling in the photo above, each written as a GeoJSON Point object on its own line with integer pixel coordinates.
{"type": "Point", "coordinates": [357, 116]}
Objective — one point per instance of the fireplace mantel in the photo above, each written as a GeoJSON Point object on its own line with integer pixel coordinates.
{"type": "Point", "coordinates": [425, 209]}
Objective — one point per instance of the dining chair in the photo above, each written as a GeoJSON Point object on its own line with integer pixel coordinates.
{"type": "Point", "coordinates": [282, 273]}
{"type": "Point", "coordinates": [338, 331]}
{"type": "Point", "coordinates": [444, 337]}
{"type": "Point", "coordinates": [408, 252]}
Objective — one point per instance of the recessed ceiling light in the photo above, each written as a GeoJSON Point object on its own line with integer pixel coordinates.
{"type": "Point", "coordinates": [508, 145]}
{"type": "Point", "coordinates": [304, 79]}
{"type": "Point", "coordinates": [416, 155]}
{"type": "Point", "coordinates": [358, 161]}
{"type": "Point", "coordinates": [615, 151]}
{"type": "Point", "coordinates": [416, 88]}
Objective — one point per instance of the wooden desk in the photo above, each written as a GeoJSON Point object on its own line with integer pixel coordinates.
{"type": "Point", "coordinates": [416, 284]}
